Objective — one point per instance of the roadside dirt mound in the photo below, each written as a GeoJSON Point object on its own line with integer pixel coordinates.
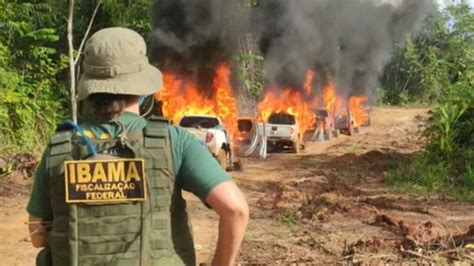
{"type": "Point", "coordinates": [16, 173]}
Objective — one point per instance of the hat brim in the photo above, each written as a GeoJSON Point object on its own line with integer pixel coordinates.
{"type": "Point", "coordinates": [146, 82]}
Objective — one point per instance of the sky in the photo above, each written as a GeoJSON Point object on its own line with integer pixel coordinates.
{"type": "Point", "coordinates": [443, 2]}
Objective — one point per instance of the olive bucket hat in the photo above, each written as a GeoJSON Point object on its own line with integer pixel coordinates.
{"type": "Point", "coordinates": [115, 62]}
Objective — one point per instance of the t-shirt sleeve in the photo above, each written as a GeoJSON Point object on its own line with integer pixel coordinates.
{"type": "Point", "coordinates": [39, 203]}
{"type": "Point", "coordinates": [197, 171]}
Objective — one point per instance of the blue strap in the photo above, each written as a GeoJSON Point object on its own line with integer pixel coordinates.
{"type": "Point", "coordinates": [89, 144]}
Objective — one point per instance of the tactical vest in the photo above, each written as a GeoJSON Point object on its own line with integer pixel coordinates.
{"type": "Point", "coordinates": [153, 232]}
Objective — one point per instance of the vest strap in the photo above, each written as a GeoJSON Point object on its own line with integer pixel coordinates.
{"type": "Point", "coordinates": [156, 135]}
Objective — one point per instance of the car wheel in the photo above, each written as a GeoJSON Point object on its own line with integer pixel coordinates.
{"type": "Point", "coordinates": [327, 134]}
{"type": "Point", "coordinates": [350, 130]}
{"type": "Point", "coordinates": [296, 147]}
{"type": "Point", "coordinates": [221, 158]}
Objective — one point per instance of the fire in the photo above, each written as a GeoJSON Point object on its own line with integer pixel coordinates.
{"type": "Point", "coordinates": [332, 102]}
{"type": "Point", "coordinates": [293, 102]}
{"type": "Point", "coordinates": [288, 101]}
{"type": "Point", "coordinates": [308, 82]}
{"type": "Point", "coordinates": [183, 97]}
{"type": "Point", "coordinates": [358, 110]}
{"type": "Point", "coordinates": [225, 105]}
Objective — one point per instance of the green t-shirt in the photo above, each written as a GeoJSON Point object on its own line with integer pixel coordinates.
{"type": "Point", "coordinates": [197, 171]}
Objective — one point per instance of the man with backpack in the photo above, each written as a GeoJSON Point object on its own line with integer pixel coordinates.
{"type": "Point", "coordinates": [108, 191]}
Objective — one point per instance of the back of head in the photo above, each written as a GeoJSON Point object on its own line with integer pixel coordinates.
{"type": "Point", "coordinates": [116, 71]}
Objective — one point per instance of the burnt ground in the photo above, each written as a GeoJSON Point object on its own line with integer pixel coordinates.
{"type": "Point", "coordinates": [329, 204]}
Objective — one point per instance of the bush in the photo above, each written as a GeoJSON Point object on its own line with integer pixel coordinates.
{"type": "Point", "coordinates": [31, 98]}
{"type": "Point", "coordinates": [447, 161]}
{"type": "Point", "coordinates": [441, 54]}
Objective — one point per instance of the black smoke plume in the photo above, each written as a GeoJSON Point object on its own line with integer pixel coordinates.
{"type": "Point", "coordinates": [349, 41]}
{"type": "Point", "coordinates": [189, 37]}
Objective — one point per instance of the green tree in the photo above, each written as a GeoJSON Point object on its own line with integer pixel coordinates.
{"type": "Point", "coordinates": [437, 67]}
{"type": "Point", "coordinates": [30, 95]}
{"type": "Point", "coordinates": [424, 69]}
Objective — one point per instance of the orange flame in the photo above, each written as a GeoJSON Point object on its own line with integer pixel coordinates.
{"type": "Point", "coordinates": [288, 101]}
{"type": "Point", "coordinates": [225, 105]}
{"type": "Point", "coordinates": [293, 102]}
{"type": "Point", "coordinates": [333, 103]}
{"type": "Point", "coordinates": [358, 110]}
{"type": "Point", "coordinates": [182, 97]}
{"type": "Point", "coordinates": [308, 80]}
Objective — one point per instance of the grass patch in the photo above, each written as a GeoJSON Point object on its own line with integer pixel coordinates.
{"type": "Point", "coordinates": [357, 149]}
{"type": "Point", "coordinates": [290, 218]}
{"type": "Point", "coordinates": [425, 176]}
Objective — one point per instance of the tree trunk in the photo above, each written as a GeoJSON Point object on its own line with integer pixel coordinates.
{"type": "Point", "coordinates": [72, 76]}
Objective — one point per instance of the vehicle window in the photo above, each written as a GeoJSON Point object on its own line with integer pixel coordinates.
{"type": "Point", "coordinates": [322, 113]}
{"type": "Point", "coordinates": [281, 119]}
{"type": "Point", "coordinates": [245, 125]}
{"type": "Point", "coordinates": [199, 121]}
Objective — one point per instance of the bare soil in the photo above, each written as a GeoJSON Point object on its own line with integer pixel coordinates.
{"type": "Point", "coordinates": [329, 204]}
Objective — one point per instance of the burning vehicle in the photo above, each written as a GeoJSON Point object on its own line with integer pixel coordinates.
{"type": "Point", "coordinates": [345, 123]}
{"type": "Point", "coordinates": [213, 135]}
{"type": "Point", "coordinates": [211, 116]}
{"type": "Point", "coordinates": [324, 128]}
{"type": "Point", "coordinates": [353, 115]}
{"type": "Point", "coordinates": [283, 131]}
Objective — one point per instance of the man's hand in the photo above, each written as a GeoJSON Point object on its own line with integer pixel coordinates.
{"type": "Point", "coordinates": [231, 206]}
{"type": "Point", "coordinates": [39, 235]}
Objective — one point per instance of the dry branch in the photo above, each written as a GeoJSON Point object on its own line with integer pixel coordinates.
{"type": "Point", "coordinates": [81, 46]}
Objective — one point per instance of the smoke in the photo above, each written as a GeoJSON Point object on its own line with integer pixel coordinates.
{"type": "Point", "coordinates": [189, 37]}
{"type": "Point", "coordinates": [349, 41]}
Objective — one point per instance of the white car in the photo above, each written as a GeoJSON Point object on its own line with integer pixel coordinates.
{"type": "Point", "coordinates": [210, 130]}
{"type": "Point", "coordinates": [282, 130]}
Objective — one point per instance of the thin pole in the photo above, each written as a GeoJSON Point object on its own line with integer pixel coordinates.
{"type": "Point", "coordinates": [72, 76]}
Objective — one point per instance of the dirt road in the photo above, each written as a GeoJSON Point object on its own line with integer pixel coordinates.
{"type": "Point", "coordinates": [328, 204]}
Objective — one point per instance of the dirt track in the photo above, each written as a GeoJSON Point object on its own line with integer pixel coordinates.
{"type": "Point", "coordinates": [329, 204]}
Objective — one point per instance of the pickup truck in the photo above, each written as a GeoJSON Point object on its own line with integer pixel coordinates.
{"type": "Point", "coordinates": [283, 131]}
{"type": "Point", "coordinates": [345, 122]}
{"type": "Point", "coordinates": [325, 126]}
{"type": "Point", "coordinates": [211, 132]}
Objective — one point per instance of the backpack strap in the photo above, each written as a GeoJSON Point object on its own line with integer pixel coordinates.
{"type": "Point", "coordinates": [60, 145]}
{"type": "Point", "coordinates": [156, 141]}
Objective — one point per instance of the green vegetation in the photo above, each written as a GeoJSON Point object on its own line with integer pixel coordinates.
{"type": "Point", "coordinates": [30, 95]}
{"type": "Point", "coordinates": [289, 218]}
{"type": "Point", "coordinates": [251, 73]}
{"type": "Point", "coordinates": [447, 163]}
{"type": "Point", "coordinates": [438, 69]}
{"type": "Point", "coordinates": [425, 69]}
{"type": "Point", "coordinates": [33, 63]}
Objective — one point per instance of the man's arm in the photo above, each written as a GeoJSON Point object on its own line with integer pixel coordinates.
{"type": "Point", "coordinates": [231, 206]}
{"type": "Point", "coordinates": [39, 208]}
{"type": "Point", "coordinates": [199, 173]}
{"type": "Point", "coordinates": [38, 233]}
